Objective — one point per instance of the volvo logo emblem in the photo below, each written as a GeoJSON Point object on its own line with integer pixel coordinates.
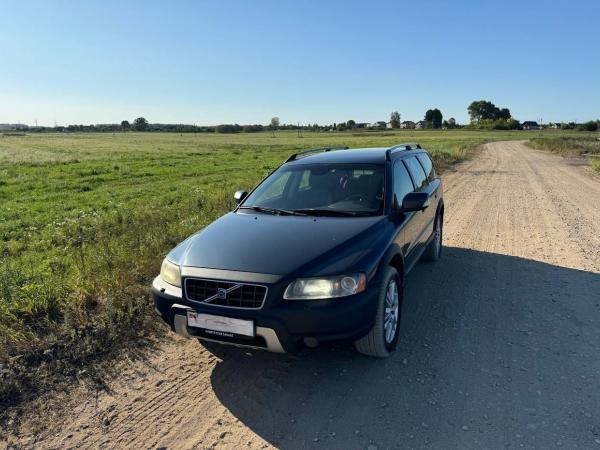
{"type": "Point", "coordinates": [221, 293]}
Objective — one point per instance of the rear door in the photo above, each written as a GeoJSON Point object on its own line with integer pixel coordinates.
{"type": "Point", "coordinates": [433, 189]}
{"type": "Point", "coordinates": [403, 185]}
{"type": "Point", "coordinates": [424, 218]}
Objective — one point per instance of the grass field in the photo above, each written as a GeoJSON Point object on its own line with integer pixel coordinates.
{"type": "Point", "coordinates": [87, 218]}
{"type": "Point", "coordinates": [582, 144]}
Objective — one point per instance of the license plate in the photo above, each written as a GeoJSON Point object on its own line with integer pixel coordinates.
{"type": "Point", "coordinates": [219, 325]}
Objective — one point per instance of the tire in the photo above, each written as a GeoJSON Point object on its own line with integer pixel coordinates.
{"type": "Point", "coordinates": [433, 252]}
{"type": "Point", "coordinates": [379, 343]}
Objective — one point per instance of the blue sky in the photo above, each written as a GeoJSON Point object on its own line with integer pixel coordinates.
{"type": "Point", "coordinates": [310, 61]}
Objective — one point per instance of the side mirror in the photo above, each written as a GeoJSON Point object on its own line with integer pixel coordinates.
{"type": "Point", "coordinates": [415, 201]}
{"type": "Point", "coordinates": [239, 196]}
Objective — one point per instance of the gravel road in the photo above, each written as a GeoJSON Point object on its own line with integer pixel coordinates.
{"type": "Point", "coordinates": [499, 346]}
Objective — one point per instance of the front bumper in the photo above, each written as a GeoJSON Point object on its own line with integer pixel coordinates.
{"type": "Point", "coordinates": [280, 326]}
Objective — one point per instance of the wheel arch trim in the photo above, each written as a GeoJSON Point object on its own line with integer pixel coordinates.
{"type": "Point", "coordinates": [393, 257]}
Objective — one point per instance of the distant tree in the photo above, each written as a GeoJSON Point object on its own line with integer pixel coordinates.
{"type": "Point", "coordinates": [350, 124]}
{"type": "Point", "coordinates": [510, 124]}
{"type": "Point", "coordinates": [451, 122]}
{"type": "Point", "coordinates": [513, 124]}
{"type": "Point", "coordinates": [588, 126]}
{"type": "Point", "coordinates": [434, 118]}
{"type": "Point", "coordinates": [140, 124]}
{"type": "Point", "coordinates": [429, 117]}
{"type": "Point", "coordinates": [503, 114]}
{"type": "Point", "coordinates": [228, 128]}
{"type": "Point", "coordinates": [125, 125]}
{"type": "Point", "coordinates": [395, 119]}
{"type": "Point", "coordinates": [484, 110]}
{"type": "Point", "coordinates": [481, 110]}
{"type": "Point", "coordinates": [274, 125]}
{"type": "Point", "coordinates": [252, 128]}
{"type": "Point", "coordinates": [341, 126]}
{"type": "Point", "coordinates": [437, 118]}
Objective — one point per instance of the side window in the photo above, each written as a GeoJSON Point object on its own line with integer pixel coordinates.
{"type": "Point", "coordinates": [417, 173]}
{"type": "Point", "coordinates": [402, 182]}
{"type": "Point", "coordinates": [427, 165]}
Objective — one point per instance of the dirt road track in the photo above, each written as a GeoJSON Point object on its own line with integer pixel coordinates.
{"type": "Point", "coordinates": [500, 344]}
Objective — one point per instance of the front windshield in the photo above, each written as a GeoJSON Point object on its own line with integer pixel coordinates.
{"type": "Point", "coordinates": [326, 189]}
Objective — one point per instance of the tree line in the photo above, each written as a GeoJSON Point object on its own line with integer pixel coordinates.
{"type": "Point", "coordinates": [483, 115]}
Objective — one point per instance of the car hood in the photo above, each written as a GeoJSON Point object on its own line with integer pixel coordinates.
{"type": "Point", "coordinates": [279, 245]}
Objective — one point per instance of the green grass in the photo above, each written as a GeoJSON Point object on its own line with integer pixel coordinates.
{"type": "Point", "coordinates": [87, 218]}
{"type": "Point", "coordinates": [581, 144]}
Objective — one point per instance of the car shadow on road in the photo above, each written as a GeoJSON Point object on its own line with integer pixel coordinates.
{"type": "Point", "coordinates": [495, 351]}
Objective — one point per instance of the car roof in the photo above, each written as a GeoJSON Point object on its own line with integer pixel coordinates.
{"type": "Point", "coordinates": [370, 155]}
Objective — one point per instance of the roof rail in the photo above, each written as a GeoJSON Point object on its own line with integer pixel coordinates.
{"type": "Point", "coordinates": [314, 150]}
{"type": "Point", "coordinates": [405, 146]}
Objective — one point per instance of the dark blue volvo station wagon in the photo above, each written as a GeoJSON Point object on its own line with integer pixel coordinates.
{"type": "Point", "coordinates": [317, 252]}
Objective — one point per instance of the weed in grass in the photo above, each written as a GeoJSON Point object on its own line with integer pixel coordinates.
{"type": "Point", "coordinates": [576, 144]}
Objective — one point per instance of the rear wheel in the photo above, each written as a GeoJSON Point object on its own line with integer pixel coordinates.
{"type": "Point", "coordinates": [381, 341]}
{"type": "Point", "coordinates": [433, 252]}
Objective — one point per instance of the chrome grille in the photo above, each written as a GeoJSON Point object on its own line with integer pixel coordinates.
{"type": "Point", "coordinates": [225, 293]}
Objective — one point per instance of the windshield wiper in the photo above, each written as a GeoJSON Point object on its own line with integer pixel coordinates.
{"type": "Point", "coordinates": [275, 211]}
{"type": "Point", "coordinates": [331, 212]}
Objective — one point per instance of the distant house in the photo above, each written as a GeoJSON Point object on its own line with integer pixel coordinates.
{"type": "Point", "coordinates": [389, 125]}
{"type": "Point", "coordinates": [361, 125]}
{"type": "Point", "coordinates": [421, 124]}
{"type": "Point", "coordinates": [530, 125]}
{"type": "Point", "coordinates": [379, 124]}
{"type": "Point", "coordinates": [408, 125]}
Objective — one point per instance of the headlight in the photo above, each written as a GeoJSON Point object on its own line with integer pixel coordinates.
{"type": "Point", "coordinates": [169, 272]}
{"type": "Point", "coordinates": [327, 287]}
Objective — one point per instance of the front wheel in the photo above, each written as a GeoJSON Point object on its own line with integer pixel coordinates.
{"type": "Point", "coordinates": [381, 341]}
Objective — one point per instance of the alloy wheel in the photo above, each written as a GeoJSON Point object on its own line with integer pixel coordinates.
{"type": "Point", "coordinates": [390, 321]}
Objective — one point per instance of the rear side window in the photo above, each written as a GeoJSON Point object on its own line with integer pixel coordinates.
{"type": "Point", "coordinates": [402, 182]}
{"type": "Point", "coordinates": [416, 172]}
{"type": "Point", "coordinates": [427, 165]}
